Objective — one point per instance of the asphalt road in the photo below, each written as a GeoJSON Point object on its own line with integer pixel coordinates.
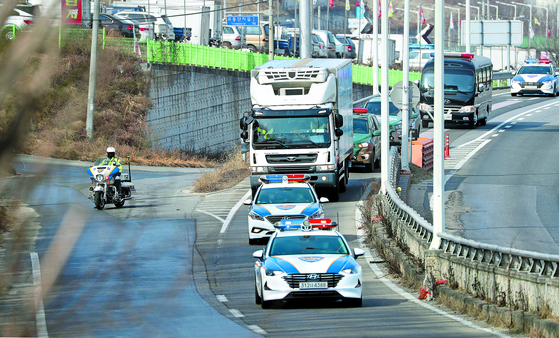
{"type": "Point", "coordinates": [505, 194]}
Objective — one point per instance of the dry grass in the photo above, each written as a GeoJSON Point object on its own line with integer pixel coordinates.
{"type": "Point", "coordinates": [232, 171]}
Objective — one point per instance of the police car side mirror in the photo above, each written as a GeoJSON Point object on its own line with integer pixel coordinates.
{"type": "Point", "coordinates": [324, 200]}
{"type": "Point", "coordinates": [358, 252]}
{"type": "Point", "coordinates": [376, 133]}
{"type": "Point", "coordinates": [481, 87]}
{"type": "Point", "coordinates": [247, 202]}
{"type": "Point", "coordinates": [258, 254]}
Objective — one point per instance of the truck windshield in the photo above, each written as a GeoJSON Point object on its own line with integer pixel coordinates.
{"type": "Point", "coordinates": [454, 80]}
{"type": "Point", "coordinates": [291, 132]}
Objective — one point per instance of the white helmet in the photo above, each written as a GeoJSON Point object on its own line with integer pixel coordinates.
{"type": "Point", "coordinates": [111, 152]}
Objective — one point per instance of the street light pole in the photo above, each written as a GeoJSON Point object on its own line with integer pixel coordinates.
{"type": "Point", "coordinates": [530, 29]}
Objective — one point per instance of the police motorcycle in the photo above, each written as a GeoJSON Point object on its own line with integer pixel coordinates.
{"type": "Point", "coordinates": [103, 190]}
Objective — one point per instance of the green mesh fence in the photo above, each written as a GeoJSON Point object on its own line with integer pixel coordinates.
{"type": "Point", "coordinates": [220, 58]}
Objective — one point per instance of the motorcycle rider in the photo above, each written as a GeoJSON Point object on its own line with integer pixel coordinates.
{"type": "Point", "coordinates": [115, 161]}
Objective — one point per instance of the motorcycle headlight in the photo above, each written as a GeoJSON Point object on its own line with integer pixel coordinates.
{"type": "Point", "coordinates": [271, 272]}
{"type": "Point", "coordinates": [99, 178]}
{"type": "Point", "coordinates": [255, 216]}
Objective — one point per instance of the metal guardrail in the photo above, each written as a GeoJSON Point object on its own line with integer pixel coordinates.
{"type": "Point", "coordinates": [528, 262]}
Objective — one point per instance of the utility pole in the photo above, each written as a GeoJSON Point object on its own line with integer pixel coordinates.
{"type": "Point", "coordinates": [271, 30]}
{"type": "Point", "coordinates": [92, 73]}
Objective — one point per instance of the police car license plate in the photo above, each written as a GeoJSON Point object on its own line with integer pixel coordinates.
{"type": "Point", "coordinates": [313, 285]}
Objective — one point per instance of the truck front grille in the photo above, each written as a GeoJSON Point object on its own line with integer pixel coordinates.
{"type": "Point", "coordinates": [298, 158]}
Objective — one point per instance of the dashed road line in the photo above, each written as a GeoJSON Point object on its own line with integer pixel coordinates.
{"type": "Point", "coordinates": [40, 318]}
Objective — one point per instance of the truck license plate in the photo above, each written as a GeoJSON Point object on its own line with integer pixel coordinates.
{"type": "Point", "coordinates": [313, 285]}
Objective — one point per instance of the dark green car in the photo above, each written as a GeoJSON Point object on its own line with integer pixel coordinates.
{"type": "Point", "coordinates": [366, 140]}
{"type": "Point", "coordinates": [395, 119]}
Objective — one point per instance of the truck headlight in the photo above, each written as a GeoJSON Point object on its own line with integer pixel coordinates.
{"type": "Point", "coordinates": [425, 107]}
{"type": "Point", "coordinates": [329, 167]}
{"type": "Point", "coordinates": [259, 169]}
{"type": "Point", "coordinates": [468, 109]}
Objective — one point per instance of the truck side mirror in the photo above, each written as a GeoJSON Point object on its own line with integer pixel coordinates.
{"type": "Point", "coordinates": [339, 121]}
{"type": "Point", "coordinates": [244, 135]}
{"type": "Point", "coordinates": [338, 132]}
{"type": "Point", "coordinates": [243, 123]}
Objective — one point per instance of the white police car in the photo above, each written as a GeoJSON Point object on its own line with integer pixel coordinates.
{"type": "Point", "coordinates": [281, 197]}
{"type": "Point", "coordinates": [304, 260]}
{"type": "Point", "coordinates": [536, 76]}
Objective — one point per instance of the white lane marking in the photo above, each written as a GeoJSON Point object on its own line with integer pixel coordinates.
{"type": "Point", "coordinates": [236, 313]}
{"type": "Point", "coordinates": [490, 132]}
{"type": "Point", "coordinates": [520, 118]}
{"type": "Point", "coordinates": [508, 126]}
{"type": "Point", "coordinates": [40, 318]}
{"type": "Point", "coordinates": [494, 135]}
{"type": "Point", "coordinates": [380, 275]}
{"type": "Point", "coordinates": [257, 329]}
{"type": "Point", "coordinates": [233, 211]}
{"type": "Point", "coordinates": [514, 122]}
{"type": "Point", "coordinates": [502, 130]}
{"type": "Point", "coordinates": [222, 298]}
{"type": "Point", "coordinates": [210, 214]}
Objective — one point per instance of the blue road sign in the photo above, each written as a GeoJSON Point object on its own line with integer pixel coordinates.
{"type": "Point", "coordinates": [242, 20]}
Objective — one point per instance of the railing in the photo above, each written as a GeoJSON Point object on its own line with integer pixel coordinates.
{"type": "Point", "coordinates": [533, 276]}
{"type": "Point", "coordinates": [221, 58]}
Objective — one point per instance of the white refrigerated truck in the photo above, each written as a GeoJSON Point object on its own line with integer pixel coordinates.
{"type": "Point", "coordinates": [301, 121]}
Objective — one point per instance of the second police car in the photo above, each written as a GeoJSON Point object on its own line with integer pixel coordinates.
{"type": "Point", "coordinates": [307, 259]}
{"type": "Point", "coordinates": [281, 197]}
{"type": "Point", "coordinates": [536, 76]}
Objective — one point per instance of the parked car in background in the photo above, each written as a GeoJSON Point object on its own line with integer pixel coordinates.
{"type": "Point", "coordinates": [328, 39]}
{"type": "Point", "coordinates": [318, 47]}
{"type": "Point", "coordinates": [349, 47]}
{"type": "Point", "coordinates": [124, 27]}
{"type": "Point", "coordinates": [19, 21]}
{"type": "Point", "coordinates": [146, 29]}
{"type": "Point", "coordinates": [162, 26]}
{"type": "Point", "coordinates": [419, 57]}
{"type": "Point", "coordinates": [340, 47]}
{"type": "Point", "coordinates": [231, 37]}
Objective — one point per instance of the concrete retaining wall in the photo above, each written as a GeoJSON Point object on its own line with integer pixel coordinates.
{"type": "Point", "coordinates": [198, 109]}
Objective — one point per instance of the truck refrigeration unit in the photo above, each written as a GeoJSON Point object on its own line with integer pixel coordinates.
{"type": "Point", "coordinates": [301, 121]}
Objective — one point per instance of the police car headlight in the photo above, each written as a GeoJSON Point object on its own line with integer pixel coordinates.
{"type": "Point", "coordinates": [515, 81]}
{"type": "Point", "coordinates": [467, 109]}
{"type": "Point", "coordinates": [329, 167]}
{"type": "Point", "coordinates": [363, 145]}
{"type": "Point", "coordinates": [270, 272]}
{"type": "Point", "coordinates": [316, 214]}
{"type": "Point", "coordinates": [351, 271]}
{"type": "Point", "coordinates": [548, 82]}
{"type": "Point", "coordinates": [261, 170]}
{"type": "Point", "coordinates": [255, 216]}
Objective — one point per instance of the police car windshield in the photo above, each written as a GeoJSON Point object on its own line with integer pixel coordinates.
{"type": "Point", "coordinates": [293, 132]}
{"type": "Point", "coordinates": [308, 244]}
{"type": "Point", "coordinates": [281, 195]}
{"type": "Point", "coordinates": [455, 80]}
{"type": "Point", "coordinates": [546, 70]}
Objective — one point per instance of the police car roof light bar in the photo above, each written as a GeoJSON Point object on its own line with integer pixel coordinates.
{"type": "Point", "coordinates": [359, 110]}
{"type": "Point", "coordinates": [305, 224]}
{"type": "Point", "coordinates": [289, 178]}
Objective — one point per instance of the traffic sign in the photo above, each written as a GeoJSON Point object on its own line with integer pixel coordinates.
{"type": "Point", "coordinates": [397, 93]}
{"type": "Point", "coordinates": [242, 20]}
